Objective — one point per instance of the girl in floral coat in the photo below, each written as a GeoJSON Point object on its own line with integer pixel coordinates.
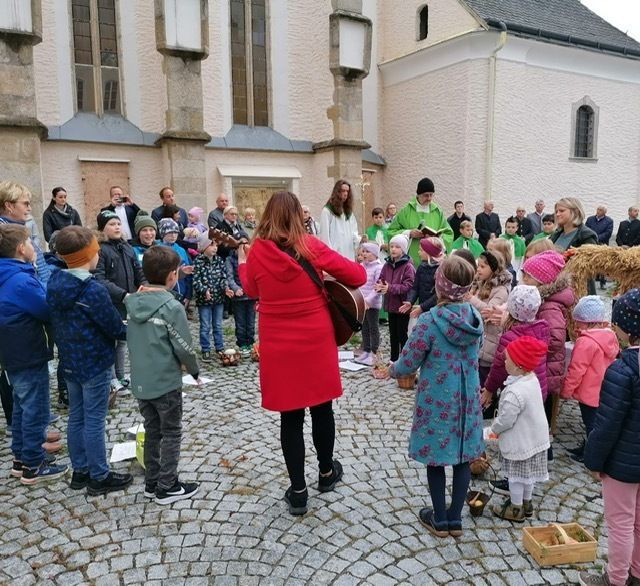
{"type": "Point", "coordinates": [447, 420]}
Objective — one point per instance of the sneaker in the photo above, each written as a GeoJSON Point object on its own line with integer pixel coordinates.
{"type": "Point", "coordinates": [125, 382]}
{"type": "Point", "coordinates": [245, 350]}
{"type": "Point", "coordinates": [328, 483]}
{"type": "Point", "coordinates": [368, 360]}
{"type": "Point", "coordinates": [123, 389]}
{"type": "Point", "coordinates": [587, 579]}
{"type": "Point", "coordinates": [52, 447]}
{"type": "Point", "coordinates": [54, 436]}
{"type": "Point", "coordinates": [296, 501]}
{"type": "Point", "coordinates": [426, 517]}
{"type": "Point", "coordinates": [44, 472]}
{"type": "Point", "coordinates": [179, 492]}
{"type": "Point", "coordinates": [528, 509]}
{"type": "Point", "coordinates": [509, 512]}
{"type": "Point", "coordinates": [150, 490]}
{"type": "Point", "coordinates": [16, 469]}
{"type": "Point", "coordinates": [362, 359]}
{"type": "Point", "coordinates": [79, 480]}
{"type": "Point", "coordinates": [113, 481]}
{"type": "Point", "coordinates": [501, 486]}
{"type": "Point", "coordinates": [206, 357]}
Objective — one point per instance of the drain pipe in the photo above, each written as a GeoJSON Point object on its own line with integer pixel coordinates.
{"type": "Point", "coordinates": [491, 111]}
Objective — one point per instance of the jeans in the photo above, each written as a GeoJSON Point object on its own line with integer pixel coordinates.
{"type": "Point", "coordinates": [88, 403]}
{"type": "Point", "coordinates": [121, 357]}
{"type": "Point", "coordinates": [244, 312]}
{"type": "Point", "coordinates": [211, 318]}
{"type": "Point", "coordinates": [323, 431]}
{"type": "Point", "coordinates": [371, 331]}
{"type": "Point", "coordinates": [162, 435]}
{"type": "Point", "coordinates": [30, 416]}
{"type": "Point", "coordinates": [622, 516]}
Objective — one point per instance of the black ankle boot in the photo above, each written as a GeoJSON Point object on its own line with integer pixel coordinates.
{"type": "Point", "coordinates": [297, 501]}
{"type": "Point", "coordinates": [328, 483]}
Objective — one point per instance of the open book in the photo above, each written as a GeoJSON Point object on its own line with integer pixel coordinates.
{"type": "Point", "coordinates": [430, 231]}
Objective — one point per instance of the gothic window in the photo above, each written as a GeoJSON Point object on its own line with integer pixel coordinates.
{"type": "Point", "coordinates": [584, 129]}
{"type": "Point", "coordinates": [423, 23]}
{"type": "Point", "coordinates": [249, 70]}
{"type": "Point", "coordinates": [95, 48]}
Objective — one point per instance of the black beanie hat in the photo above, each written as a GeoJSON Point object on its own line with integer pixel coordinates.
{"type": "Point", "coordinates": [425, 185]}
{"type": "Point", "coordinates": [104, 217]}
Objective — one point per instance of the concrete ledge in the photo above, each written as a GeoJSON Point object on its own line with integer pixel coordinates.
{"type": "Point", "coordinates": [87, 127]}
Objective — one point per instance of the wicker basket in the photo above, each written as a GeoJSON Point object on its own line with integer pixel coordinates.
{"type": "Point", "coordinates": [407, 382]}
{"type": "Point", "coordinates": [230, 358]}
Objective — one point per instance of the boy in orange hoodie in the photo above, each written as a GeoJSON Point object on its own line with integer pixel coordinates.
{"type": "Point", "coordinates": [595, 349]}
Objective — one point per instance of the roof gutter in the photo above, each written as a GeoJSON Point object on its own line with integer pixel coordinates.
{"type": "Point", "coordinates": [561, 37]}
{"type": "Point", "coordinates": [491, 107]}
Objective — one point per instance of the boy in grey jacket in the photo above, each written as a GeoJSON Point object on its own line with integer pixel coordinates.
{"type": "Point", "coordinates": [159, 345]}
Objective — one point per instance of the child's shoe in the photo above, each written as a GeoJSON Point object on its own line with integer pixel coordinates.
{"type": "Point", "coordinates": [455, 528]}
{"type": "Point", "coordinates": [206, 357]}
{"type": "Point", "coordinates": [16, 469]}
{"type": "Point", "coordinates": [587, 579]}
{"type": "Point", "coordinates": [79, 480]}
{"type": "Point", "coordinates": [150, 490]}
{"type": "Point", "coordinates": [362, 359]}
{"type": "Point", "coordinates": [178, 492]}
{"type": "Point", "coordinates": [528, 509]}
{"type": "Point", "coordinates": [509, 512]}
{"type": "Point", "coordinates": [113, 481]}
{"type": "Point", "coordinates": [296, 501]}
{"type": "Point", "coordinates": [328, 483]}
{"type": "Point", "coordinates": [426, 517]}
{"type": "Point", "coordinates": [42, 473]}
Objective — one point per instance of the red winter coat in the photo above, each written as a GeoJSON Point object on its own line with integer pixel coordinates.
{"type": "Point", "coordinates": [298, 354]}
{"type": "Point", "coordinates": [557, 301]}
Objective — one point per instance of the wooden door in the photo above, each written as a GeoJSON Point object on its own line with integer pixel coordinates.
{"type": "Point", "coordinates": [97, 178]}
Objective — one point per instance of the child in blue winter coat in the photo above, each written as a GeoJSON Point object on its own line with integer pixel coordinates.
{"type": "Point", "coordinates": [373, 303]}
{"type": "Point", "coordinates": [447, 419]}
{"type": "Point", "coordinates": [168, 231]}
{"type": "Point", "coordinates": [423, 291]}
{"type": "Point", "coordinates": [612, 452]}
{"type": "Point", "coordinates": [24, 353]}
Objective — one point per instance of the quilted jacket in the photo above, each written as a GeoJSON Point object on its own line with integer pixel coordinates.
{"type": "Point", "coordinates": [209, 274]}
{"type": "Point", "coordinates": [613, 446]}
{"type": "Point", "coordinates": [424, 286]}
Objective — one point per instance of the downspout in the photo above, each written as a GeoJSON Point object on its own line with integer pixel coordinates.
{"type": "Point", "coordinates": [491, 112]}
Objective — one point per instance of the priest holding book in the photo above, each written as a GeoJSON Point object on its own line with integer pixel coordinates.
{"type": "Point", "coordinates": [421, 217]}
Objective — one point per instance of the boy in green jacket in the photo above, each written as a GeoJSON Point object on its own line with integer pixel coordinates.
{"type": "Point", "coordinates": [159, 345]}
{"type": "Point", "coordinates": [517, 242]}
{"type": "Point", "coordinates": [466, 240]}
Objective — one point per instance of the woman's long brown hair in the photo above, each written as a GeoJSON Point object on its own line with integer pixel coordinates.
{"type": "Point", "coordinates": [282, 222]}
{"type": "Point", "coordinates": [336, 205]}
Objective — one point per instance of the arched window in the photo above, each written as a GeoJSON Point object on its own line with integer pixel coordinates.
{"type": "Point", "coordinates": [423, 23]}
{"type": "Point", "coordinates": [584, 129]}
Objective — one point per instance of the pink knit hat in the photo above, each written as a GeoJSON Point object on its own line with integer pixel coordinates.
{"type": "Point", "coordinates": [544, 267]}
{"type": "Point", "coordinates": [371, 247]}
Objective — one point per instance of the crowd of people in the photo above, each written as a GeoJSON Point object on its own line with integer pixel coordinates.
{"type": "Point", "coordinates": [483, 321]}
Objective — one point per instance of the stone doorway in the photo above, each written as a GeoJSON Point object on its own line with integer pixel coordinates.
{"type": "Point", "coordinates": [97, 178]}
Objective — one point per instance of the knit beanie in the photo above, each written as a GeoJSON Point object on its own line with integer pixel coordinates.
{"type": "Point", "coordinates": [589, 310]}
{"type": "Point", "coordinates": [523, 303]}
{"type": "Point", "coordinates": [544, 267]}
{"type": "Point", "coordinates": [104, 217]}
{"type": "Point", "coordinates": [167, 226]}
{"type": "Point", "coordinates": [371, 247]}
{"type": "Point", "coordinates": [204, 242]}
{"type": "Point", "coordinates": [626, 313]}
{"type": "Point", "coordinates": [425, 185]}
{"type": "Point", "coordinates": [402, 241]}
{"type": "Point", "coordinates": [527, 352]}
{"type": "Point", "coordinates": [143, 220]}
{"type": "Point", "coordinates": [434, 247]}
{"type": "Point", "coordinates": [197, 212]}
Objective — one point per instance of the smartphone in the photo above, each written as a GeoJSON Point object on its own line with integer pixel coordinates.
{"type": "Point", "coordinates": [121, 199]}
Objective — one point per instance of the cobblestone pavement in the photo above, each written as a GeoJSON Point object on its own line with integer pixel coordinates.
{"type": "Point", "coordinates": [237, 531]}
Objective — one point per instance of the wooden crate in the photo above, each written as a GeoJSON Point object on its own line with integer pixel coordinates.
{"type": "Point", "coordinates": [555, 555]}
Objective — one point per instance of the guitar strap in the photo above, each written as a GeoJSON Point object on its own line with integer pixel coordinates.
{"type": "Point", "coordinates": [307, 267]}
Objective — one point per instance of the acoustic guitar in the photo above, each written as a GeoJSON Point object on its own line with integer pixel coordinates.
{"type": "Point", "coordinates": [225, 239]}
{"type": "Point", "coordinates": [346, 306]}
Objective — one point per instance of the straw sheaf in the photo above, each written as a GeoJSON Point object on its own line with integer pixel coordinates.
{"type": "Point", "coordinates": [619, 264]}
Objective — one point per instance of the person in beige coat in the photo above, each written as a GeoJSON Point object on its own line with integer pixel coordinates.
{"type": "Point", "coordinates": [490, 289]}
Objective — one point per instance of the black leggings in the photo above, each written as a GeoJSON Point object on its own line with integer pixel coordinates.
{"type": "Point", "coordinates": [437, 485]}
{"type": "Point", "coordinates": [323, 431]}
{"type": "Point", "coordinates": [398, 328]}
{"type": "Point", "coordinates": [6, 396]}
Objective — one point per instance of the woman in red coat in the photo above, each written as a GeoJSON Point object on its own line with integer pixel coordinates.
{"type": "Point", "coordinates": [298, 354]}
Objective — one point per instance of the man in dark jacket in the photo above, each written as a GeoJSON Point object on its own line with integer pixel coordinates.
{"type": "Point", "coordinates": [169, 199]}
{"type": "Point", "coordinates": [122, 205]}
{"type": "Point", "coordinates": [457, 218]}
{"type": "Point", "coordinates": [216, 216]}
{"type": "Point", "coordinates": [629, 230]}
{"type": "Point", "coordinates": [525, 226]}
{"type": "Point", "coordinates": [601, 224]}
{"type": "Point", "coordinates": [487, 224]}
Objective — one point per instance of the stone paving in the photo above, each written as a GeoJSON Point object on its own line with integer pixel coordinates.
{"type": "Point", "coordinates": [236, 530]}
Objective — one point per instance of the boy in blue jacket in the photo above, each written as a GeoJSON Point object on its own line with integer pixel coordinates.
{"type": "Point", "coordinates": [612, 452]}
{"type": "Point", "coordinates": [86, 326]}
{"type": "Point", "coordinates": [24, 353]}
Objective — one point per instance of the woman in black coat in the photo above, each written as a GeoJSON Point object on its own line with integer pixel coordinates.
{"type": "Point", "coordinates": [59, 214]}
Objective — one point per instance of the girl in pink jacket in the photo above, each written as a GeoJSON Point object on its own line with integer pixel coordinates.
{"type": "Point", "coordinates": [373, 303]}
{"type": "Point", "coordinates": [595, 349]}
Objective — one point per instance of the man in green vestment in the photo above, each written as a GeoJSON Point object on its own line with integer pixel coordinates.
{"type": "Point", "coordinates": [420, 213]}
